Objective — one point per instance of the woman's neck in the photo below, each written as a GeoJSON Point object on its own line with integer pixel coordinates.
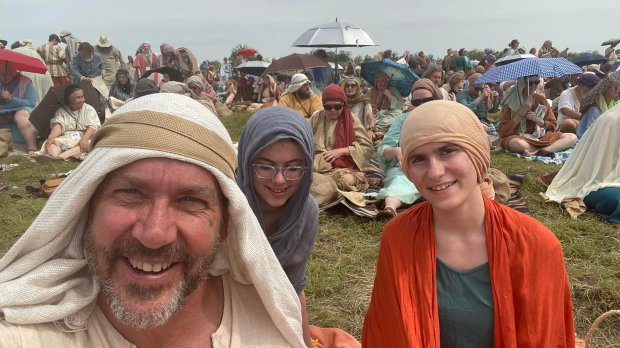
{"type": "Point", "coordinates": [469, 216]}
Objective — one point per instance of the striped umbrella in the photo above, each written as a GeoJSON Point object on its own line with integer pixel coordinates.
{"type": "Point", "coordinates": [543, 67]}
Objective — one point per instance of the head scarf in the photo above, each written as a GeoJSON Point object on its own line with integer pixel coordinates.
{"type": "Point", "coordinates": [428, 85]}
{"type": "Point", "coordinates": [297, 81]}
{"type": "Point", "coordinates": [195, 80]}
{"type": "Point", "coordinates": [129, 86]}
{"type": "Point", "coordinates": [358, 97]}
{"type": "Point", "coordinates": [595, 96]}
{"type": "Point", "coordinates": [44, 276]}
{"type": "Point", "coordinates": [264, 128]}
{"type": "Point", "coordinates": [449, 122]}
{"type": "Point", "coordinates": [514, 99]}
{"type": "Point", "coordinates": [177, 88]}
{"type": "Point", "coordinates": [345, 134]}
{"type": "Point", "coordinates": [166, 48]}
{"type": "Point", "coordinates": [204, 66]}
{"type": "Point", "coordinates": [379, 98]}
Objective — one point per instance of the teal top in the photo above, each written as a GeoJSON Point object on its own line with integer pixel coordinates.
{"type": "Point", "coordinates": [465, 302]}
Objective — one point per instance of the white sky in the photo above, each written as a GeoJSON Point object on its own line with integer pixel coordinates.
{"type": "Point", "coordinates": [210, 28]}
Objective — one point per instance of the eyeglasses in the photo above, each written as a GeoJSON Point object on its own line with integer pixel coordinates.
{"type": "Point", "coordinates": [418, 102]}
{"type": "Point", "coordinates": [331, 107]}
{"type": "Point", "coordinates": [350, 85]}
{"type": "Point", "coordinates": [268, 172]}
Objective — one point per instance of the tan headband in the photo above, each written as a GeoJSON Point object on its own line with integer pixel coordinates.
{"type": "Point", "coordinates": [153, 130]}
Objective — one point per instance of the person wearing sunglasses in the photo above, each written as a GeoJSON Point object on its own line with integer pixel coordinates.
{"type": "Point", "coordinates": [275, 156]}
{"type": "Point", "coordinates": [527, 125]}
{"type": "Point", "coordinates": [479, 98]}
{"type": "Point", "coordinates": [342, 148]}
{"type": "Point", "coordinates": [398, 190]}
{"type": "Point", "coordinates": [359, 104]}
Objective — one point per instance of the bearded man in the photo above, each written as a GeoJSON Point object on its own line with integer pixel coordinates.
{"type": "Point", "coordinates": [300, 98]}
{"type": "Point", "coordinates": [149, 242]}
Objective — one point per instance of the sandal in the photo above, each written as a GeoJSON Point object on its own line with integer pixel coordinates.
{"type": "Point", "coordinates": [386, 214]}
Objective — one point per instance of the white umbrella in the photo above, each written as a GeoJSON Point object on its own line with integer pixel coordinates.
{"type": "Point", "coordinates": [334, 35]}
{"type": "Point", "coordinates": [253, 67]}
{"type": "Point", "coordinates": [513, 58]}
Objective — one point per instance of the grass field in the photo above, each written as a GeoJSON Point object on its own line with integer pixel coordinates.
{"type": "Point", "coordinates": [341, 269]}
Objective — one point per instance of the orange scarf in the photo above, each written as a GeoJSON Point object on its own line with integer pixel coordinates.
{"type": "Point", "coordinates": [531, 294]}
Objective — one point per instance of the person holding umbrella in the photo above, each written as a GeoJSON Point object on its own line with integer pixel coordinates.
{"type": "Point", "coordinates": [17, 99]}
{"type": "Point", "coordinates": [527, 125]}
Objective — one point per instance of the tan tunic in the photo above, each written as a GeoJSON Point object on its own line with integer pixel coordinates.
{"type": "Point", "coordinates": [245, 323]}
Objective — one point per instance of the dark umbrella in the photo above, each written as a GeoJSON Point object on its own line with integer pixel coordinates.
{"type": "Point", "coordinates": [43, 113]}
{"type": "Point", "coordinates": [295, 61]}
{"type": "Point", "coordinates": [611, 42]}
{"type": "Point", "coordinates": [22, 62]}
{"type": "Point", "coordinates": [174, 74]}
{"type": "Point", "coordinates": [587, 59]}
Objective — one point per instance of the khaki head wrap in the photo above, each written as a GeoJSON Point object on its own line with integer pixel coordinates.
{"type": "Point", "coordinates": [448, 122]}
{"type": "Point", "coordinates": [428, 85]}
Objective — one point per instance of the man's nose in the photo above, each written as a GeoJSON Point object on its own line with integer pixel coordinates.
{"type": "Point", "coordinates": [157, 226]}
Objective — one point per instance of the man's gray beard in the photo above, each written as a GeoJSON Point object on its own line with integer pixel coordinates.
{"type": "Point", "coordinates": [158, 316]}
{"type": "Point", "coordinates": [302, 96]}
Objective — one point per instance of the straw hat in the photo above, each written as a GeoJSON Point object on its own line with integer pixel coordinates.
{"type": "Point", "coordinates": [104, 41]}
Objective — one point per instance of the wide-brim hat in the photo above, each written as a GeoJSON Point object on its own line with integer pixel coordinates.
{"type": "Point", "coordinates": [104, 41]}
{"type": "Point", "coordinates": [3, 42]}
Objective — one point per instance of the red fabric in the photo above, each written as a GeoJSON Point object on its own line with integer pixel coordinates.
{"type": "Point", "coordinates": [60, 81]}
{"type": "Point", "coordinates": [140, 64]}
{"type": "Point", "coordinates": [531, 295]}
{"type": "Point", "coordinates": [344, 128]}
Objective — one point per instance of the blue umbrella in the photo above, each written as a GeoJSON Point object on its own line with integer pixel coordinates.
{"type": "Point", "coordinates": [399, 75]}
{"type": "Point", "coordinates": [543, 67]}
{"type": "Point", "coordinates": [588, 58]}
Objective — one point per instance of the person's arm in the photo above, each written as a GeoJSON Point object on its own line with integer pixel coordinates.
{"type": "Point", "coordinates": [462, 98]}
{"type": "Point", "coordinates": [29, 99]}
{"type": "Point", "coordinates": [56, 131]}
{"type": "Point", "coordinates": [75, 68]}
{"type": "Point", "coordinates": [85, 140]}
{"type": "Point", "coordinates": [390, 145]}
{"type": "Point", "coordinates": [570, 113]}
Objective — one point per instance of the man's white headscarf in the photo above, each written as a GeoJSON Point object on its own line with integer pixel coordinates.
{"type": "Point", "coordinates": [297, 81]}
{"type": "Point", "coordinates": [44, 277]}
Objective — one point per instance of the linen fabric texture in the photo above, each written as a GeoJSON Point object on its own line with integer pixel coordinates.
{"type": "Point", "coordinates": [44, 276]}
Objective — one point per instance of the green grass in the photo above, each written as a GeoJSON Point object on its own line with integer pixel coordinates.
{"type": "Point", "coordinates": [342, 266]}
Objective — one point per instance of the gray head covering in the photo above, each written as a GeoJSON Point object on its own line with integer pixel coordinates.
{"type": "Point", "coordinates": [266, 127]}
{"type": "Point", "coordinates": [204, 66]}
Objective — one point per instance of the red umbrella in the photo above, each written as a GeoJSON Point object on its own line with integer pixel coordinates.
{"type": "Point", "coordinates": [247, 52]}
{"type": "Point", "coordinates": [22, 62]}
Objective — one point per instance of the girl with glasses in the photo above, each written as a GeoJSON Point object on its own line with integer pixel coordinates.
{"type": "Point", "coordinates": [275, 157]}
{"type": "Point", "coordinates": [342, 148]}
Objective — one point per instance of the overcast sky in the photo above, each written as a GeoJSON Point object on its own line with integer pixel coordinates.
{"type": "Point", "coordinates": [210, 28]}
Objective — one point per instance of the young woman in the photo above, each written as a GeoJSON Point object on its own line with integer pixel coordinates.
{"type": "Point", "coordinates": [460, 269]}
{"type": "Point", "coordinates": [359, 104]}
{"type": "Point", "coordinates": [275, 156]}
